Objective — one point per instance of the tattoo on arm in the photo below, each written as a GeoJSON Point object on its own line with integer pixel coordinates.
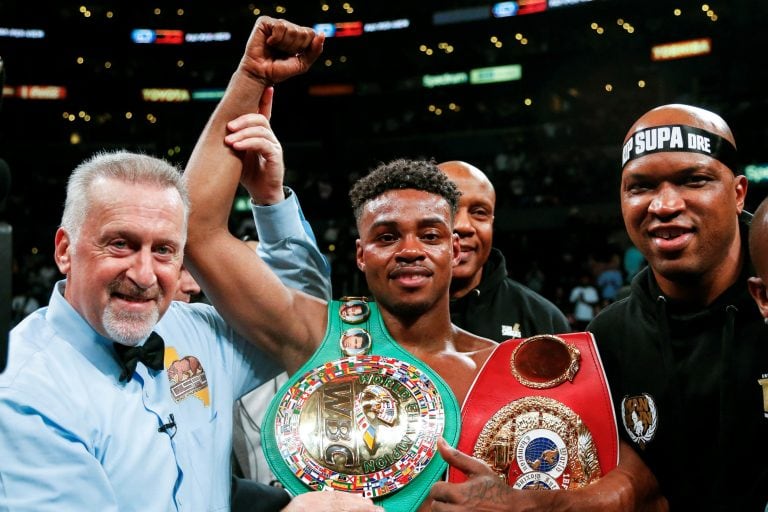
{"type": "Point", "coordinates": [487, 491]}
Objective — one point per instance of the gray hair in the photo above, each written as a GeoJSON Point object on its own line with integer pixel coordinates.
{"type": "Point", "coordinates": [116, 165]}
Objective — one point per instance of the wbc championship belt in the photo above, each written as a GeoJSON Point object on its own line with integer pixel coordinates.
{"type": "Point", "coordinates": [363, 415]}
{"type": "Point", "coordinates": [540, 414]}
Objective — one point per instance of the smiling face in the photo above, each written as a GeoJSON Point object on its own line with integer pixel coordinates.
{"type": "Point", "coordinates": [124, 268]}
{"type": "Point", "coordinates": [681, 208]}
{"type": "Point", "coordinates": [407, 250]}
{"type": "Point", "coordinates": [473, 222]}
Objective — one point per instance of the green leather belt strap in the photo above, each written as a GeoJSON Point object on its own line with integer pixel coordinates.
{"type": "Point", "coordinates": [402, 495]}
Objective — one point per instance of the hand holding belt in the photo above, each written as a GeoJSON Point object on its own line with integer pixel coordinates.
{"type": "Point", "coordinates": [540, 414]}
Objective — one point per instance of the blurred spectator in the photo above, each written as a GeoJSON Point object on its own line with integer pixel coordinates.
{"type": "Point", "coordinates": [633, 262]}
{"type": "Point", "coordinates": [535, 278]}
{"type": "Point", "coordinates": [22, 305]}
{"type": "Point", "coordinates": [609, 279]}
{"type": "Point", "coordinates": [584, 299]}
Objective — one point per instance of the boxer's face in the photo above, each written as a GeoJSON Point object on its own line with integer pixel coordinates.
{"type": "Point", "coordinates": [407, 249]}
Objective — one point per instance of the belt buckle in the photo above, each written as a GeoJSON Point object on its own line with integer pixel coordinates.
{"type": "Point", "coordinates": [364, 424]}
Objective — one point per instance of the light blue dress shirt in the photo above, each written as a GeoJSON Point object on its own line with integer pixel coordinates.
{"type": "Point", "coordinates": [288, 245]}
{"type": "Point", "coordinates": [74, 438]}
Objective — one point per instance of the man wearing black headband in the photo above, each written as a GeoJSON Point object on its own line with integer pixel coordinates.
{"type": "Point", "coordinates": [684, 352]}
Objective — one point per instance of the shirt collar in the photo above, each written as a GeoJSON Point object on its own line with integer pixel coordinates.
{"type": "Point", "coordinates": [72, 327]}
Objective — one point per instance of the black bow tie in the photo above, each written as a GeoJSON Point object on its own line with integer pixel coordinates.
{"type": "Point", "coordinates": [151, 354]}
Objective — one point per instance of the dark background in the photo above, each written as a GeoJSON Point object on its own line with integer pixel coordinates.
{"type": "Point", "coordinates": [555, 163]}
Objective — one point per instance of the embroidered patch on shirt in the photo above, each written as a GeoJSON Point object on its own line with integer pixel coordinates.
{"type": "Point", "coordinates": [187, 377]}
{"type": "Point", "coordinates": [640, 418]}
{"type": "Point", "coordinates": [513, 331]}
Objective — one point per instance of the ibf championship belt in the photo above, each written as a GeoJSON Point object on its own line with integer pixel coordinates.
{"type": "Point", "coordinates": [540, 414]}
{"type": "Point", "coordinates": [366, 422]}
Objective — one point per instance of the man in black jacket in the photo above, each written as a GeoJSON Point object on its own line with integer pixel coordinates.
{"type": "Point", "coordinates": [758, 283]}
{"type": "Point", "coordinates": [484, 299]}
{"type": "Point", "coordinates": [684, 352]}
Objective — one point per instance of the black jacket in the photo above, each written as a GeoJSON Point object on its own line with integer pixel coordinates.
{"type": "Point", "coordinates": [501, 308]}
{"type": "Point", "coordinates": [686, 393]}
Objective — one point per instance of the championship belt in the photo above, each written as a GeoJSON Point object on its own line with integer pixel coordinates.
{"type": "Point", "coordinates": [363, 415]}
{"type": "Point", "coordinates": [540, 414]}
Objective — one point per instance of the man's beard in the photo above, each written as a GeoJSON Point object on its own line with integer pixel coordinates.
{"type": "Point", "coordinates": [129, 328]}
{"type": "Point", "coordinates": [409, 310]}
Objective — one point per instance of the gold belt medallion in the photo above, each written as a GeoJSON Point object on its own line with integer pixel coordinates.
{"type": "Point", "coordinates": [362, 424]}
{"type": "Point", "coordinates": [539, 443]}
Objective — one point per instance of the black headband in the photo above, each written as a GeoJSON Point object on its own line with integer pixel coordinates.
{"type": "Point", "coordinates": [678, 137]}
